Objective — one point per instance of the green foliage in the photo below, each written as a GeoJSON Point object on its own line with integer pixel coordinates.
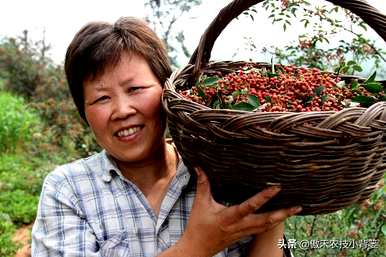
{"type": "Point", "coordinates": [369, 91]}
{"type": "Point", "coordinates": [163, 15]}
{"type": "Point", "coordinates": [20, 65]}
{"type": "Point", "coordinates": [323, 23]}
{"type": "Point", "coordinates": [55, 105]}
{"type": "Point", "coordinates": [18, 172]}
{"type": "Point", "coordinates": [353, 224]}
{"type": "Point", "coordinates": [39, 129]}
{"type": "Point", "coordinates": [7, 246]}
{"type": "Point", "coordinates": [21, 178]}
{"type": "Point", "coordinates": [44, 86]}
{"type": "Point", "coordinates": [19, 205]}
{"type": "Point", "coordinates": [2, 82]}
{"type": "Point", "coordinates": [18, 122]}
{"type": "Point", "coordinates": [349, 67]}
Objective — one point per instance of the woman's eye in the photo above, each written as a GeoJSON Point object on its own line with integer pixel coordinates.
{"type": "Point", "coordinates": [134, 89]}
{"type": "Point", "coordinates": [101, 99]}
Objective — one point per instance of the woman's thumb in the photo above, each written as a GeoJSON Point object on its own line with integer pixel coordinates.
{"type": "Point", "coordinates": [203, 186]}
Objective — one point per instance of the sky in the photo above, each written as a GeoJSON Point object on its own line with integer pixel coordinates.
{"type": "Point", "coordinates": [59, 20]}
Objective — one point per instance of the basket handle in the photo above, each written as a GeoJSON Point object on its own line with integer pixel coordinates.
{"type": "Point", "coordinates": [201, 55]}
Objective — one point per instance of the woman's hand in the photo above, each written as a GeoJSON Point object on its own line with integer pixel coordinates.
{"type": "Point", "coordinates": [213, 227]}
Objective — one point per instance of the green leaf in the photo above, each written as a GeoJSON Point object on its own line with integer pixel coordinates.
{"type": "Point", "coordinates": [354, 85]}
{"type": "Point", "coordinates": [371, 78]}
{"type": "Point", "coordinates": [216, 102]}
{"type": "Point", "coordinates": [363, 100]}
{"type": "Point", "coordinates": [293, 11]}
{"type": "Point", "coordinates": [243, 106]}
{"type": "Point", "coordinates": [357, 68]}
{"type": "Point", "coordinates": [276, 20]}
{"type": "Point", "coordinates": [344, 69]}
{"type": "Point", "coordinates": [271, 74]}
{"type": "Point", "coordinates": [201, 92]}
{"type": "Point", "coordinates": [210, 81]}
{"type": "Point", "coordinates": [308, 99]}
{"type": "Point", "coordinates": [239, 92]}
{"type": "Point", "coordinates": [363, 25]}
{"type": "Point", "coordinates": [384, 229]}
{"type": "Point", "coordinates": [253, 100]}
{"type": "Point", "coordinates": [306, 23]}
{"type": "Point", "coordinates": [319, 90]}
{"type": "Point", "coordinates": [373, 87]}
{"type": "Point", "coordinates": [351, 63]}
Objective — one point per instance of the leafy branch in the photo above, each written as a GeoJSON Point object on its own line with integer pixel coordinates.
{"type": "Point", "coordinates": [311, 47]}
{"type": "Point", "coordinates": [164, 15]}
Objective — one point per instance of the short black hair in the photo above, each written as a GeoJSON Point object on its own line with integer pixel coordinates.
{"type": "Point", "coordinates": [100, 45]}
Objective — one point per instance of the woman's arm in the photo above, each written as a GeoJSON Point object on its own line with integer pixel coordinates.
{"type": "Point", "coordinates": [213, 227]}
{"type": "Point", "coordinates": [266, 244]}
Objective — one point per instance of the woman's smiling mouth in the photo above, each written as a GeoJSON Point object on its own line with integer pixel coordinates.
{"type": "Point", "coordinates": [128, 132]}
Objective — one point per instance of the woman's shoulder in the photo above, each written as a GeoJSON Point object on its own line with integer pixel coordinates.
{"type": "Point", "coordinates": [77, 170]}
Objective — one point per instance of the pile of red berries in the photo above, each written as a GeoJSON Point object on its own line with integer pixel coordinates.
{"type": "Point", "coordinates": [287, 89]}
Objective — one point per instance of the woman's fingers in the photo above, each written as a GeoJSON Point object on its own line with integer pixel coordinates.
{"type": "Point", "coordinates": [257, 223]}
{"type": "Point", "coordinates": [213, 226]}
{"type": "Point", "coordinates": [234, 213]}
{"type": "Point", "coordinates": [203, 186]}
{"type": "Point", "coordinates": [270, 218]}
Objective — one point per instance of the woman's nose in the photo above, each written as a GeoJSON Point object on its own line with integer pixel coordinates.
{"type": "Point", "coordinates": [122, 108]}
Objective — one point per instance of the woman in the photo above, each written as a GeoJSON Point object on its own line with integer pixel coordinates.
{"type": "Point", "coordinates": [135, 197]}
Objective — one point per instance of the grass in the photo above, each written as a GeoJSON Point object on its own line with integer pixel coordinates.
{"type": "Point", "coordinates": [26, 157]}
{"type": "Point", "coordinates": [7, 228]}
{"type": "Point", "coordinates": [18, 122]}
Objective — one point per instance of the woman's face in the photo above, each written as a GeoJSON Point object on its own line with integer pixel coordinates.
{"type": "Point", "coordinates": [123, 109]}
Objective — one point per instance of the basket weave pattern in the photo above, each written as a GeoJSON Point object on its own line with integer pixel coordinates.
{"type": "Point", "coordinates": [324, 161]}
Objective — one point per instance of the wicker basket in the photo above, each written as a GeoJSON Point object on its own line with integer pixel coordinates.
{"type": "Point", "coordinates": [324, 161]}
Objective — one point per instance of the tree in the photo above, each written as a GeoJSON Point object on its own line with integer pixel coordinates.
{"type": "Point", "coordinates": [26, 71]}
{"type": "Point", "coordinates": [164, 16]}
{"type": "Point", "coordinates": [20, 65]}
{"type": "Point", "coordinates": [323, 23]}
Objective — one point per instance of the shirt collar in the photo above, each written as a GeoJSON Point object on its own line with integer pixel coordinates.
{"type": "Point", "coordinates": [182, 173]}
{"type": "Point", "coordinates": [109, 166]}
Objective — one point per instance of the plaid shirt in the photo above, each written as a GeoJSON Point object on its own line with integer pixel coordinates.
{"type": "Point", "coordinates": [87, 208]}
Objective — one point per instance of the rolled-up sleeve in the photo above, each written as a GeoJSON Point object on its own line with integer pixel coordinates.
{"type": "Point", "coordinates": [239, 249]}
